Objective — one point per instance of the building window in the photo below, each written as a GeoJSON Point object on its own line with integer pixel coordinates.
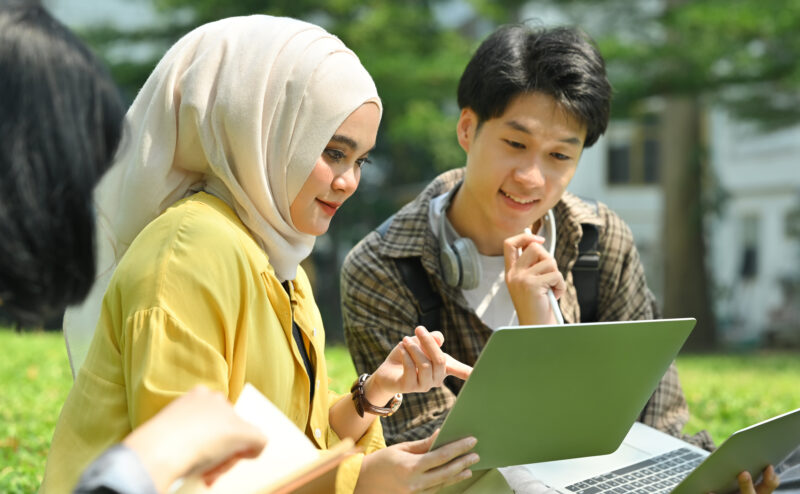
{"type": "Point", "coordinates": [748, 269]}
{"type": "Point", "coordinates": [619, 164]}
{"type": "Point", "coordinates": [791, 223]}
{"type": "Point", "coordinates": [650, 161]}
{"type": "Point", "coordinates": [634, 152]}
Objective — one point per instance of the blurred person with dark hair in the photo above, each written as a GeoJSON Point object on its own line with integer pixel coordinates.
{"type": "Point", "coordinates": [61, 119]}
{"type": "Point", "coordinates": [60, 123]}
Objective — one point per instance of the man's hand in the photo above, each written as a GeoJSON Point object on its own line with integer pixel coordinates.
{"type": "Point", "coordinates": [530, 272]}
{"type": "Point", "coordinates": [769, 482]}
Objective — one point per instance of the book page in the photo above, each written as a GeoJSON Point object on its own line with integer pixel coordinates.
{"type": "Point", "coordinates": [289, 455]}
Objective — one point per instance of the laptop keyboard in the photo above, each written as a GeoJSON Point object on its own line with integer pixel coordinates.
{"type": "Point", "coordinates": [655, 475]}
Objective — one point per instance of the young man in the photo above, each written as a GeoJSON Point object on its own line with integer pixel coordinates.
{"type": "Point", "coordinates": [531, 100]}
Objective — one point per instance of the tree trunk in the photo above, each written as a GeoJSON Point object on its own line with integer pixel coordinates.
{"type": "Point", "coordinates": [686, 280]}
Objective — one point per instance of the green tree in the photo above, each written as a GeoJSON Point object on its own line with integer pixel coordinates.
{"type": "Point", "coordinates": [741, 54]}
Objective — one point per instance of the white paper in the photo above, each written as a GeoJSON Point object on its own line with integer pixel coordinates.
{"type": "Point", "coordinates": [287, 450]}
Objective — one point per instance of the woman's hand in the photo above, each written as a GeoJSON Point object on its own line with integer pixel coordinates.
{"type": "Point", "coordinates": [530, 272]}
{"type": "Point", "coordinates": [416, 364]}
{"type": "Point", "coordinates": [199, 432]}
{"type": "Point", "coordinates": [410, 467]}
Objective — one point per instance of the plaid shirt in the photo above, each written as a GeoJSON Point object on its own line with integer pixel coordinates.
{"type": "Point", "coordinates": [379, 310]}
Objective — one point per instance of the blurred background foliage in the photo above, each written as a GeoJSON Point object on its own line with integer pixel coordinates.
{"type": "Point", "coordinates": [739, 53]}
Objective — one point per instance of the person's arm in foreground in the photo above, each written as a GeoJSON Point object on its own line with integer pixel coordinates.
{"type": "Point", "coordinates": [197, 433]}
{"type": "Point", "coordinates": [416, 364]}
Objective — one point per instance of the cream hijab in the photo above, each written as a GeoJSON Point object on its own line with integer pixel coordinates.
{"type": "Point", "coordinates": [241, 108]}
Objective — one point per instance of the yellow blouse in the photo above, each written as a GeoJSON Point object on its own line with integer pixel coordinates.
{"type": "Point", "coordinates": [195, 301]}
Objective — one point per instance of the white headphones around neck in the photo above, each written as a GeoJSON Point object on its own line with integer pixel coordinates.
{"type": "Point", "coordinates": [460, 261]}
{"type": "Point", "coordinates": [461, 265]}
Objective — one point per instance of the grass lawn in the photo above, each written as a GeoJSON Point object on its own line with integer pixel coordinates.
{"type": "Point", "coordinates": [34, 381]}
{"type": "Point", "coordinates": [729, 392]}
{"type": "Point", "coordinates": [725, 393]}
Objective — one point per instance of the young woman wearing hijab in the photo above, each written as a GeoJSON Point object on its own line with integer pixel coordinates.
{"type": "Point", "coordinates": [244, 141]}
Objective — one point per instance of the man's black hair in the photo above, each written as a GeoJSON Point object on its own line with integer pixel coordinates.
{"type": "Point", "coordinates": [60, 123]}
{"type": "Point", "coordinates": [561, 62]}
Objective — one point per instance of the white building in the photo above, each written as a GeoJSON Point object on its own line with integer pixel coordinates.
{"type": "Point", "coordinates": [754, 244]}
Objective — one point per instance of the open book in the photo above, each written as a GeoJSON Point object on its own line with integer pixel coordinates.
{"type": "Point", "coordinates": [288, 463]}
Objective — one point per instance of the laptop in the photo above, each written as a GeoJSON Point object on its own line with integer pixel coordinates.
{"type": "Point", "coordinates": [542, 393]}
{"type": "Point", "coordinates": [652, 461]}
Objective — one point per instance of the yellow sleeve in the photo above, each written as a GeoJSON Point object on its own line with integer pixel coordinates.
{"type": "Point", "coordinates": [163, 359]}
{"type": "Point", "coordinates": [178, 296]}
{"type": "Point", "coordinates": [372, 440]}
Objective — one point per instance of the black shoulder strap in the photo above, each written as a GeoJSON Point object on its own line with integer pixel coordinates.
{"type": "Point", "coordinates": [428, 301]}
{"type": "Point", "coordinates": [586, 271]}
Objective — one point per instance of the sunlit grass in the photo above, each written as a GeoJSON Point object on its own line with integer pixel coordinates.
{"type": "Point", "coordinates": [340, 369]}
{"type": "Point", "coordinates": [725, 393]}
{"type": "Point", "coordinates": [729, 392]}
{"type": "Point", "coordinates": [34, 382]}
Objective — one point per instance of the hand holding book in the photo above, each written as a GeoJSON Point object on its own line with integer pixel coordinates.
{"type": "Point", "coordinates": [288, 462]}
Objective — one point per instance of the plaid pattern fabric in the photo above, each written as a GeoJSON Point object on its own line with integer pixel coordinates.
{"type": "Point", "coordinates": [379, 310]}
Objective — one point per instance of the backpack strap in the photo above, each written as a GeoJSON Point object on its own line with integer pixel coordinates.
{"type": "Point", "coordinates": [427, 300]}
{"type": "Point", "coordinates": [586, 271]}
